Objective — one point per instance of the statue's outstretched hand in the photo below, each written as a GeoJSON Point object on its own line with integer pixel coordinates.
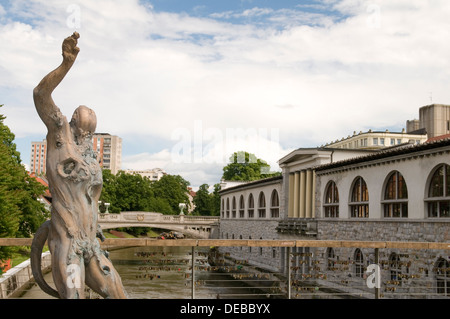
{"type": "Point", "coordinates": [69, 47]}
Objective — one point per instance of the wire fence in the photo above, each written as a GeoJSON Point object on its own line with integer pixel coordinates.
{"type": "Point", "coordinates": [310, 269]}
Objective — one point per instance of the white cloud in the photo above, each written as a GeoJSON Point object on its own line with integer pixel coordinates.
{"type": "Point", "coordinates": [312, 76]}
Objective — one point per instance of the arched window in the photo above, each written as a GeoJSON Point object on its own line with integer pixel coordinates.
{"type": "Point", "coordinates": [241, 207]}
{"type": "Point", "coordinates": [274, 204]}
{"type": "Point", "coordinates": [395, 267]}
{"type": "Point", "coordinates": [439, 192]}
{"type": "Point", "coordinates": [442, 271]}
{"type": "Point", "coordinates": [359, 204]}
{"type": "Point", "coordinates": [233, 207]}
{"type": "Point", "coordinates": [228, 208]}
{"type": "Point", "coordinates": [395, 201]}
{"type": "Point", "coordinates": [331, 259]}
{"type": "Point", "coordinates": [251, 206]}
{"type": "Point", "coordinates": [261, 205]}
{"type": "Point", "coordinates": [331, 205]}
{"type": "Point", "coordinates": [358, 259]}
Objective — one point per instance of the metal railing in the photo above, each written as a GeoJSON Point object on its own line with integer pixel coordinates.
{"type": "Point", "coordinates": [292, 269]}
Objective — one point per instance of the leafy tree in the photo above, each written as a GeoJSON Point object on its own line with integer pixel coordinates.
{"type": "Point", "coordinates": [33, 211]}
{"type": "Point", "coordinates": [174, 189]}
{"type": "Point", "coordinates": [160, 205]}
{"type": "Point", "coordinates": [132, 192]}
{"type": "Point", "coordinates": [109, 192]}
{"type": "Point", "coordinates": [215, 201]}
{"type": "Point", "coordinates": [125, 192]}
{"type": "Point", "coordinates": [245, 166]}
{"type": "Point", "coordinates": [203, 201]}
{"type": "Point", "coordinates": [20, 211]}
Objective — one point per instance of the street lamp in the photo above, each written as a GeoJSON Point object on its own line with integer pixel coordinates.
{"type": "Point", "coordinates": [182, 206]}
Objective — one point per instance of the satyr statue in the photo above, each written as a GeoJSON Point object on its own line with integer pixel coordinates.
{"type": "Point", "coordinates": [75, 182]}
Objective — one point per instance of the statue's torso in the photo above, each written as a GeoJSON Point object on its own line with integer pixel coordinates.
{"type": "Point", "coordinates": [75, 179]}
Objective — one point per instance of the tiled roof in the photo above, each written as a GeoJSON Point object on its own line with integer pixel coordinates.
{"type": "Point", "coordinates": [253, 183]}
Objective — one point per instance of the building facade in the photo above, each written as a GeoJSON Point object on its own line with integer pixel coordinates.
{"type": "Point", "coordinates": [434, 119]}
{"type": "Point", "coordinates": [109, 151]}
{"type": "Point", "coordinates": [398, 195]}
{"type": "Point", "coordinates": [372, 140]}
{"type": "Point", "coordinates": [252, 211]}
{"type": "Point", "coordinates": [38, 157]}
{"type": "Point", "coordinates": [153, 175]}
{"type": "Point", "coordinates": [298, 197]}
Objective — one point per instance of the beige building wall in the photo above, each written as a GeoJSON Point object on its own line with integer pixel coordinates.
{"type": "Point", "coordinates": [154, 174]}
{"type": "Point", "coordinates": [38, 157]}
{"type": "Point", "coordinates": [435, 118]}
{"type": "Point", "coordinates": [109, 150]}
{"type": "Point", "coordinates": [298, 195]}
{"type": "Point", "coordinates": [377, 140]}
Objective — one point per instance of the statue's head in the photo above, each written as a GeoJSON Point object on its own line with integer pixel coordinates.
{"type": "Point", "coordinates": [84, 121]}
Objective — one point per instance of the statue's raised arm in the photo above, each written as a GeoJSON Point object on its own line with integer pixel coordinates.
{"type": "Point", "coordinates": [42, 93]}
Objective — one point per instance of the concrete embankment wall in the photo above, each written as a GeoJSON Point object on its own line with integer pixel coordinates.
{"type": "Point", "coordinates": [17, 279]}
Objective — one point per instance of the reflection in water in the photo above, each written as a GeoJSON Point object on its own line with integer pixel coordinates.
{"type": "Point", "coordinates": [166, 273]}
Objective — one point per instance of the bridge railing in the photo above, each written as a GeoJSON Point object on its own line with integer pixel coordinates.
{"type": "Point", "coordinates": [155, 217]}
{"type": "Point", "coordinates": [293, 269]}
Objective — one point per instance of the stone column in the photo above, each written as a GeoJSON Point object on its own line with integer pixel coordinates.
{"type": "Point", "coordinates": [302, 194]}
{"type": "Point", "coordinates": [291, 196]}
{"type": "Point", "coordinates": [296, 195]}
{"type": "Point", "coordinates": [308, 197]}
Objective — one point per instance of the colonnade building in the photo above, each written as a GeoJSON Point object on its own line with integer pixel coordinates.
{"type": "Point", "coordinates": [398, 193]}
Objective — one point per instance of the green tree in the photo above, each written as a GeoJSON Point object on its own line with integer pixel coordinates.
{"type": "Point", "coordinates": [20, 211]}
{"type": "Point", "coordinates": [125, 192]}
{"type": "Point", "coordinates": [132, 192]}
{"type": "Point", "coordinates": [215, 201]}
{"type": "Point", "coordinates": [174, 189]}
{"type": "Point", "coordinates": [109, 192]}
{"type": "Point", "coordinates": [245, 166]}
{"type": "Point", "coordinates": [203, 201]}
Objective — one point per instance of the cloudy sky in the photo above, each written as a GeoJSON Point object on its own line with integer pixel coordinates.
{"type": "Point", "coordinates": [186, 83]}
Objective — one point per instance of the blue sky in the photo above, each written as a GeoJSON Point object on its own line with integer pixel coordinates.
{"type": "Point", "coordinates": [206, 7]}
{"type": "Point", "coordinates": [186, 83]}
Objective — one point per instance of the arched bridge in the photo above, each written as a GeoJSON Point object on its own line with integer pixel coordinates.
{"type": "Point", "coordinates": [193, 226]}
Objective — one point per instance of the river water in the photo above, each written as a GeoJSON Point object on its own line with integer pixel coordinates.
{"type": "Point", "coordinates": [166, 273]}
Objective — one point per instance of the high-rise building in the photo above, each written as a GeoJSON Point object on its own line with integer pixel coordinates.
{"type": "Point", "coordinates": [107, 146]}
{"type": "Point", "coordinates": [434, 119]}
{"type": "Point", "coordinates": [109, 150]}
{"type": "Point", "coordinates": [38, 157]}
